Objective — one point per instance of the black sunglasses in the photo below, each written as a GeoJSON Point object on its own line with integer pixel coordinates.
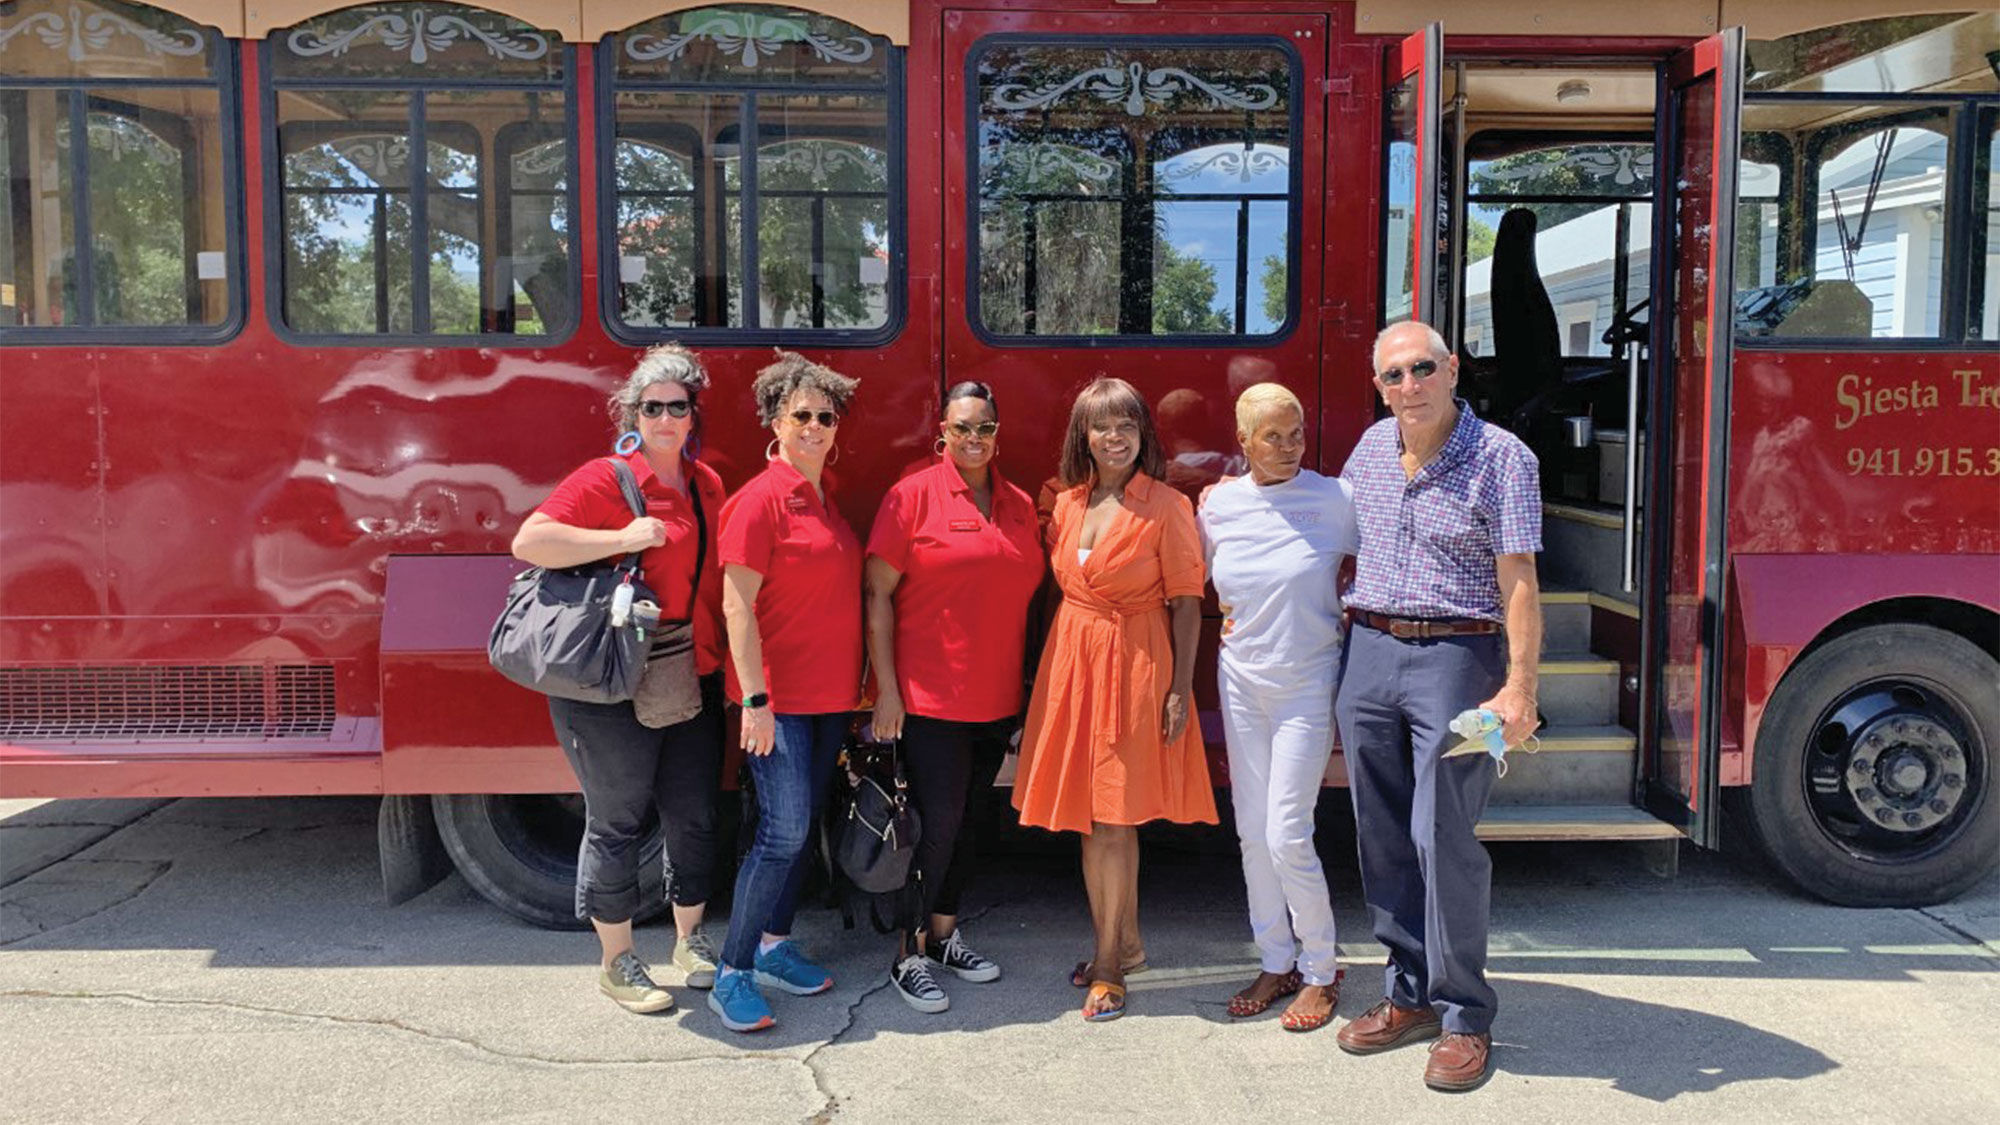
{"type": "Point", "coordinates": [827, 418]}
{"type": "Point", "coordinates": [983, 429]}
{"type": "Point", "coordinates": [1420, 370]}
{"type": "Point", "coordinates": [653, 407]}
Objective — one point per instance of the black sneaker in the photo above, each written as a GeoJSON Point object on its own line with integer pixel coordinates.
{"type": "Point", "coordinates": [912, 977]}
{"type": "Point", "coordinates": [964, 960]}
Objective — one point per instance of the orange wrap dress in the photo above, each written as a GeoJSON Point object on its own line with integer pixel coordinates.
{"type": "Point", "coordinates": [1092, 749]}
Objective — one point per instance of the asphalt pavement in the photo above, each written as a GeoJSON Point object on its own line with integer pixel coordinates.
{"type": "Point", "coordinates": [231, 960]}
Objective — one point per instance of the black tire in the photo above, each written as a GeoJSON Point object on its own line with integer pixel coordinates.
{"type": "Point", "coordinates": [1876, 766]}
{"type": "Point", "coordinates": [518, 850]}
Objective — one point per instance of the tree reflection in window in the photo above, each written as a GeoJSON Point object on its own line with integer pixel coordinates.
{"type": "Point", "coordinates": [798, 239]}
{"type": "Point", "coordinates": [1135, 190]}
{"type": "Point", "coordinates": [128, 228]}
{"type": "Point", "coordinates": [425, 174]}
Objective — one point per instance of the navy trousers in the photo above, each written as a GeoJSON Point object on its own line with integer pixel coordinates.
{"type": "Point", "coordinates": [1426, 878]}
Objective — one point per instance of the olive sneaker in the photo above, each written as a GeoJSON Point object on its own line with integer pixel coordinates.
{"type": "Point", "coordinates": [631, 987]}
{"type": "Point", "coordinates": [913, 980]}
{"type": "Point", "coordinates": [694, 956]}
{"type": "Point", "coordinates": [964, 960]}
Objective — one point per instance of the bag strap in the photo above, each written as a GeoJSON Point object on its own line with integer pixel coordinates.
{"type": "Point", "coordinates": [629, 485]}
{"type": "Point", "coordinates": [634, 499]}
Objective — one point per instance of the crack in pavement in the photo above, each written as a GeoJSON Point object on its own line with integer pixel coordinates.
{"type": "Point", "coordinates": [112, 830]}
{"type": "Point", "coordinates": [1959, 930]}
{"type": "Point", "coordinates": [380, 1024]}
{"type": "Point", "coordinates": [831, 1107]}
{"type": "Point", "coordinates": [160, 868]}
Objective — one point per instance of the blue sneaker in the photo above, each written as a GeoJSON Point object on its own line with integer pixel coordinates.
{"type": "Point", "coordinates": [784, 967]}
{"type": "Point", "coordinates": [736, 999]}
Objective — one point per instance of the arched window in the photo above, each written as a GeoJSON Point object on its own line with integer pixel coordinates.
{"type": "Point", "coordinates": [117, 166]}
{"type": "Point", "coordinates": [424, 178]}
{"type": "Point", "coordinates": [804, 240]}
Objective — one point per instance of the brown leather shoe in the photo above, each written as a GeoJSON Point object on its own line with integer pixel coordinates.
{"type": "Point", "coordinates": [1387, 1025]}
{"type": "Point", "coordinates": [1459, 1061]}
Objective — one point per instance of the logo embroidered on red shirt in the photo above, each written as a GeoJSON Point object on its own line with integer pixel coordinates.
{"type": "Point", "coordinates": [965, 525]}
{"type": "Point", "coordinates": [795, 504]}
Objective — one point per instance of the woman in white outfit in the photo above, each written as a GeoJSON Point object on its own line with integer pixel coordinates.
{"type": "Point", "coordinates": [1275, 540]}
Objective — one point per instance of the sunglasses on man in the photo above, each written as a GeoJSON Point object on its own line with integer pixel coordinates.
{"type": "Point", "coordinates": [967, 429]}
{"type": "Point", "coordinates": [827, 418]}
{"type": "Point", "coordinates": [1421, 371]}
{"type": "Point", "coordinates": [653, 407]}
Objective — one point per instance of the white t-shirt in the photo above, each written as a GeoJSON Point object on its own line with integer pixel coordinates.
{"type": "Point", "coordinates": [1274, 553]}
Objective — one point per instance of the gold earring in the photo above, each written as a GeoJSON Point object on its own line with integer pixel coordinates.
{"type": "Point", "coordinates": [771, 450]}
{"type": "Point", "coordinates": [834, 457]}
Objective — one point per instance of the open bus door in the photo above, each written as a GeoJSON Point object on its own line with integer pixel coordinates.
{"type": "Point", "coordinates": [1700, 100]}
{"type": "Point", "coordinates": [1412, 93]}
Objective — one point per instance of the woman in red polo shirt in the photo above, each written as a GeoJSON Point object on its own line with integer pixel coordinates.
{"type": "Point", "coordinates": [626, 768]}
{"type": "Point", "coordinates": [954, 559]}
{"type": "Point", "coordinates": [792, 600]}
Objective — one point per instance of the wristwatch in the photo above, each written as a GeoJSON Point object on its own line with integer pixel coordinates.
{"type": "Point", "coordinates": [752, 702]}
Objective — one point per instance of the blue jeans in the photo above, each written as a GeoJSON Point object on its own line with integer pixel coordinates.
{"type": "Point", "coordinates": [791, 783]}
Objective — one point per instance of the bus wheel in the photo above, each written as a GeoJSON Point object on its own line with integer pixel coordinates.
{"type": "Point", "coordinates": [1875, 768]}
{"type": "Point", "coordinates": [518, 850]}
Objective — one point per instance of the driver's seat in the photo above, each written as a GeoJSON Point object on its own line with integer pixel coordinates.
{"type": "Point", "coordinates": [1527, 345]}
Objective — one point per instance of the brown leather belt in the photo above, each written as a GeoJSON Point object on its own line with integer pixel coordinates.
{"type": "Point", "coordinates": [1425, 628]}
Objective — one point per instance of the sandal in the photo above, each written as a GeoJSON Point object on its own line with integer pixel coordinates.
{"type": "Point", "coordinates": [1243, 1005]}
{"type": "Point", "coordinates": [1079, 977]}
{"type": "Point", "coordinates": [1294, 1020]}
{"type": "Point", "coordinates": [1104, 990]}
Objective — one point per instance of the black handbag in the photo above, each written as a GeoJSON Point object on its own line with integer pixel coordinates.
{"type": "Point", "coordinates": [555, 635]}
{"type": "Point", "coordinates": [878, 837]}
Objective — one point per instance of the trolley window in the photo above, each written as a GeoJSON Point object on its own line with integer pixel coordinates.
{"type": "Point", "coordinates": [117, 166]}
{"type": "Point", "coordinates": [424, 176]}
{"type": "Point", "coordinates": [1133, 190]}
{"type": "Point", "coordinates": [754, 165]}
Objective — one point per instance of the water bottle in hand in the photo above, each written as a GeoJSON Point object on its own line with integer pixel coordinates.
{"type": "Point", "coordinates": [1482, 726]}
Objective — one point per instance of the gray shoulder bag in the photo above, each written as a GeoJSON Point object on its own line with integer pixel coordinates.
{"type": "Point", "coordinates": [670, 692]}
{"type": "Point", "coordinates": [568, 633]}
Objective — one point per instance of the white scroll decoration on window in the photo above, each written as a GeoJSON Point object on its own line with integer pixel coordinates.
{"type": "Point", "coordinates": [750, 36]}
{"type": "Point", "coordinates": [1622, 165]}
{"type": "Point", "coordinates": [77, 34]}
{"type": "Point", "coordinates": [1134, 84]}
{"type": "Point", "coordinates": [542, 159]}
{"type": "Point", "coordinates": [420, 33]}
{"type": "Point", "coordinates": [1245, 166]}
{"type": "Point", "coordinates": [820, 160]}
{"type": "Point", "coordinates": [382, 159]}
{"type": "Point", "coordinates": [1030, 163]}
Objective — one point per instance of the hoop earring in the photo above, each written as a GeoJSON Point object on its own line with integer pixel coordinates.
{"type": "Point", "coordinates": [834, 457]}
{"type": "Point", "coordinates": [628, 443]}
{"type": "Point", "coordinates": [771, 450]}
{"type": "Point", "coordinates": [939, 447]}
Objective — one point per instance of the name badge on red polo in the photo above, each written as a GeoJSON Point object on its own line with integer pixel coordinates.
{"type": "Point", "coordinates": [796, 505]}
{"type": "Point", "coordinates": [965, 525]}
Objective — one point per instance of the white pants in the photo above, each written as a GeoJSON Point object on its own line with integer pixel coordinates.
{"type": "Point", "coordinates": [1279, 743]}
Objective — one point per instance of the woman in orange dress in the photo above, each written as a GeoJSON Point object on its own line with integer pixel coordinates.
{"type": "Point", "coordinates": [1109, 742]}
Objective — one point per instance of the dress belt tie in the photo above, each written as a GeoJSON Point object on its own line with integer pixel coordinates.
{"type": "Point", "coordinates": [1108, 656]}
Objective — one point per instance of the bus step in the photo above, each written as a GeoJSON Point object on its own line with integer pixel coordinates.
{"type": "Point", "coordinates": [1573, 822]}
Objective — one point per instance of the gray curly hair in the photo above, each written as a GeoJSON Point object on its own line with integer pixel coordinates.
{"type": "Point", "coordinates": [792, 373]}
{"type": "Point", "coordinates": [661, 363]}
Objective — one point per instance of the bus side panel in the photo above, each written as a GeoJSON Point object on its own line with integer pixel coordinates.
{"type": "Point", "coordinates": [1854, 477]}
{"type": "Point", "coordinates": [1782, 602]}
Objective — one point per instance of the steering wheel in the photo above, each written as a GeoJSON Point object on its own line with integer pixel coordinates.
{"type": "Point", "coordinates": [1627, 328]}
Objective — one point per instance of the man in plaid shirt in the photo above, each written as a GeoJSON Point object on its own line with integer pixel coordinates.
{"type": "Point", "coordinates": [1447, 616]}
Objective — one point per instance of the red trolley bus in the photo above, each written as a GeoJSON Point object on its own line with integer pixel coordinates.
{"type": "Point", "coordinates": [304, 305]}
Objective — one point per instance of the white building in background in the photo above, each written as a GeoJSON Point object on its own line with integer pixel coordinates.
{"type": "Point", "coordinates": [1898, 262]}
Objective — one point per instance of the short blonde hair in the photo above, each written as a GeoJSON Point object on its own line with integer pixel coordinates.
{"type": "Point", "coordinates": [1261, 399]}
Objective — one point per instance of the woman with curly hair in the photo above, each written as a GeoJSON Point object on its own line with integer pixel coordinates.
{"type": "Point", "coordinates": [792, 599]}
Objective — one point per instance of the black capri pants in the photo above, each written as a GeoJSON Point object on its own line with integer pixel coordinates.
{"type": "Point", "coordinates": [950, 765]}
{"type": "Point", "coordinates": [628, 770]}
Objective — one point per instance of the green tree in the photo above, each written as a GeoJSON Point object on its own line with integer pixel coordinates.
{"type": "Point", "coordinates": [1273, 282]}
{"type": "Point", "coordinates": [1184, 294]}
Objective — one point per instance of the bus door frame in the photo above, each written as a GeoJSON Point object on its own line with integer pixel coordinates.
{"type": "Point", "coordinates": [1683, 610]}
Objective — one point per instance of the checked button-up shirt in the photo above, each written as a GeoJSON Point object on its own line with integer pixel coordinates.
{"type": "Point", "coordinates": [1428, 543]}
